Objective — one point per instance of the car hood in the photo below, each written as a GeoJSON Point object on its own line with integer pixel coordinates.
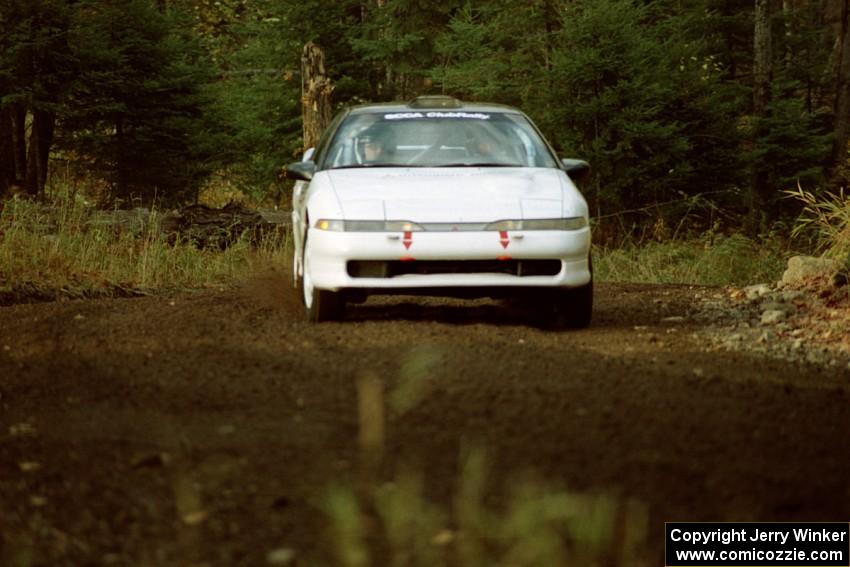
{"type": "Point", "coordinates": [449, 194]}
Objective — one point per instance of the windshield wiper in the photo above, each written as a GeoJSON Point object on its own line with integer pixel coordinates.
{"type": "Point", "coordinates": [480, 164]}
{"type": "Point", "coordinates": [424, 165]}
{"type": "Point", "coordinates": [364, 165]}
{"type": "Point", "coordinates": [382, 164]}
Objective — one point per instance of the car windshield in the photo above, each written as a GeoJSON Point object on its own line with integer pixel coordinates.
{"type": "Point", "coordinates": [437, 139]}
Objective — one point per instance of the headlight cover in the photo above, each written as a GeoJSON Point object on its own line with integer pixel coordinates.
{"type": "Point", "coordinates": [571, 223]}
{"type": "Point", "coordinates": [337, 225]}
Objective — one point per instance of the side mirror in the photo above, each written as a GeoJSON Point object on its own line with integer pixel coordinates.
{"type": "Point", "coordinates": [300, 170]}
{"type": "Point", "coordinates": [577, 169]}
{"type": "Point", "coordinates": [308, 155]}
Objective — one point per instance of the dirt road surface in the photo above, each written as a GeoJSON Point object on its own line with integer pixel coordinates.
{"type": "Point", "coordinates": [204, 428]}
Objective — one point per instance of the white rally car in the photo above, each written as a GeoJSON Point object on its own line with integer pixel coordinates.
{"type": "Point", "coordinates": [440, 197]}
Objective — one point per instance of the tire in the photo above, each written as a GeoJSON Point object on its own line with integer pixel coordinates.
{"type": "Point", "coordinates": [320, 304]}
{"type": "Point", "coordinates": [577, 307]}
{"type": "Point", "coordinates": [296, 277]}
{"type": "Point", "coordinates": [564, 308]}
{"type": "Point", "coordinates": [325, 306]}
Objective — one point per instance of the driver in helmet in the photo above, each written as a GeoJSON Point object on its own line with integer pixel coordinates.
{"type": "Point", "coordinates": [376, 147]}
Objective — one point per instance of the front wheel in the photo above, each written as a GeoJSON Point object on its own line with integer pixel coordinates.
{"type": "Point", "coordinates": [577, 307]}
{"type": "Point", "coordinates": [321, 304]}
{"type": "Point", "coordinates": [565, 308]}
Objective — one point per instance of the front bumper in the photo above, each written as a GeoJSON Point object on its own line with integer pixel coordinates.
{"type": "Point", "coordinates": [330, 253]}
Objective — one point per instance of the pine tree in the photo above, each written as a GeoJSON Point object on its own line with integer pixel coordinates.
{"type": "Point", "coordinates": [137, 111]}
{"type": "Point", "coordinates": [35, 70]}
{"type": "Point", "coordinates": [616, 82]}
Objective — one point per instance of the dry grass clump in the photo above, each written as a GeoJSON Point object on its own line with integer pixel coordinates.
{"type": "Point", "coordinates": [826, 219]}
{"type": "Point", "coordinates": [62, 248]}
{"type": "Point", "coordinates": [535, 525]}
{"type": "Point", "coordinates": [712, 259]}
{"type": "Point", "coordinates": [532, 523]}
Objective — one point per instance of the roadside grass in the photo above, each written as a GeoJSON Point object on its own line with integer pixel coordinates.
{"type": "Point", "coordinates": [534, 525]}
{"type": "Point", "coordinates": [825, 219]}
{"type": "Point", "coordinates": [60, 249]}
{"type": "Point", "coordinates": [394, 520]}
{"type": "Point", "coordinates": [822, 228]}
{"type": "Point", "coordinates": [712, 259]}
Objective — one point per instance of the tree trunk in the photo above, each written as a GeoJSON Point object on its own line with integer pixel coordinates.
{"type": "Point", "coordinates": [120, 189]}
{"type": "Point", "coordinates": [842, 90]}
{"type": "Point", "coordinates": [41, 140]}
{"type": "Point", "coordinates": [762, 72]}
{"type": "Point", "coordinates": [316, 89]}
{"type": "Point", "coordinates": [18, 114]}
{"type": "Point", "coordinates": [7, 155]}
{"type": "Point", "coordinates": [729, 40]}
{"type": "Point", "coordinates": [787, 15]}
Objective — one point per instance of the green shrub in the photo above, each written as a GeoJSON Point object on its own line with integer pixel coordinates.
{"type": "Point", "coordinates": [709, 260]}
{"type": "Point", "coordinates": [60, 249]}
{"type": "Point", "coordinates": [826, 220]}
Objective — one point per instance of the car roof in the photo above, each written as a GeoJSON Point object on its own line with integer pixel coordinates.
{"type": "Point", "coordinates": [433, 103]}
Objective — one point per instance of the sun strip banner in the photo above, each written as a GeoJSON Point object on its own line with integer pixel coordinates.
{"type": "Point", "coordinates": [757, 544]}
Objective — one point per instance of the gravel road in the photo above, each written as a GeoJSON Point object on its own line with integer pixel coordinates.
{"type": "Point", "coordinates": [204, 428]}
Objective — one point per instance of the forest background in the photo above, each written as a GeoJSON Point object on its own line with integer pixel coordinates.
{"type": "Point", "coordinates": [697, 116]}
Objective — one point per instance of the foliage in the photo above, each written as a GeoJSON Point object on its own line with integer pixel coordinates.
{"type": "Point", "coordinates": [826, 218]}
{"type": "Point", "coordinates": [397, 524]}
{"type": "Point", "coordinates": [35, 70]}
{"type": "Point", "coordinates": [258, 95]}
{"type": "Point", "coordinates": [616, 82]}
{"type": "Point", "coordinates": [804, 55]}
{"type": "Point", "coordinates": [655, 94]}
{"type": "Point", "coordinates": [35, 64]}
{"type": "Point", "coordinates": [396, 41]}
{"type": "Point", "coordinates": [794, 146]}
{"type": "Point", "coordinates": [64, 247]}
{"type": "Point", "coordinates": [651, 112]}
{"type": "Point", "coordinates": [712, 259]}
{"type": "Point", "coordinates": [259, 103]}
{"type": "Point", "coordinates": [499, 51]}
{"type": "Point", "coordinates": [139, 114]}
{"type": "Point", "coordinates": [401, 522]}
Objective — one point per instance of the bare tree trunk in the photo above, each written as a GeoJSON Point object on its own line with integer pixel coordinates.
{"type": "Point", "coordinates": [387, 83]}
{"type": "Point", "coordinates": [7, 155]}
{"type": "Point", "coordinates": [762, 59]}
{"type": "Point", "coordinates": [18, 115]}
{"type": "Point", "coordinates": [787, 14]}
{"type": "Point", "coordinates": [120, 187]}
{"type": "Point", "coordinates": [729, 39]}
{"type": "Point", "coordinates": [41, 139]}
{"type": "Point", "coordinates": [316, 90]}
{"type": "Point", "coordinates": [842, 90]}
{"type": "Point", "coordinates": [762, 73]}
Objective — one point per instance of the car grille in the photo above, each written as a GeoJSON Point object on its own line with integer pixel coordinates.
{"type": "Point", "coordinates": [393, 268]}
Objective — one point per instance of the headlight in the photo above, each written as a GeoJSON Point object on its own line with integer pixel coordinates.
{"type": "Point", "coordinates": [572, 223]}
{"type": "Point", "coordinates": [330, 224]}
{"type": "Point", "coordinates": [366, 226]}
{"type": "Point", "coordinates": [337, 225]}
